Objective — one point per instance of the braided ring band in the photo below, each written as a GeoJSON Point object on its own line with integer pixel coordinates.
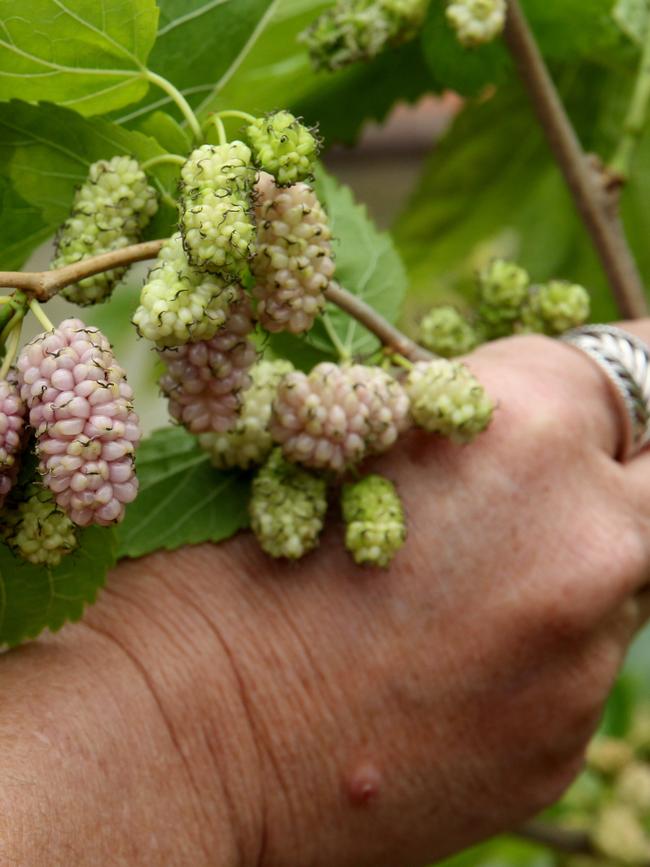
{"type": "Point", "coordinates": [625, 360]}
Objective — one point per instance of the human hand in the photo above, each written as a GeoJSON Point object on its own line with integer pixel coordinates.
{"type": "Point", "coordinates": [250, 712]}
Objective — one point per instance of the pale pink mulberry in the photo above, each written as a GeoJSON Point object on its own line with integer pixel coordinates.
{"type": "Point", "coordinates": [293, 264]}
{"type": "Point", "coordinates": [80, 406]}
{"type": "Point", "coordinates": [204, 380]}
{"type": "Point", "coordinates": [12, 426]}
{"type": "Point", "coordinates": [337, 415]}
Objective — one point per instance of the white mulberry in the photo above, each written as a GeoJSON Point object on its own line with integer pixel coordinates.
{"type": "Point", "coordinates": [250, 441]}
{"type": "Point", "coordinates": [375, 523]}
{"type": "Point", "coordinates": [80, 406]}
{"type": "Point", "coordinates": [337, 415]}
{"type": "Point", "coordinates": [447, 332]}
{"type": "Point", "coordinates": [293, 264]}
{"type": "Point", "coordinates": [477, 21]}
{"type": "Point", "coordinates": [447, 399]}
{"type": "Point", "coordinates": [283, 146]}
{"type": "Point", "coordinates": [40, 532]}
{"type": "Point", "coordinates": [110, 211]}
{"type": "Point", "coordinates": [503, 292]}
{"type": "Point", "coordinates": [203, 380]}
{"type": "Point", "coordinates": [179, 304]}
{"type": "Point", "coordinates": [216, 224]}
{"type": "Point", "coordinates": [556, 307]}
{"type": "Point", "coordinates": [287, 508]}
{"type": "Point", "coordinates": [12, 432]}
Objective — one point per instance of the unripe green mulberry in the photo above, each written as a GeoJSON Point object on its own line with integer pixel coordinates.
{"type": "Point", "coordinates": [503, 291]}
{"type": "Point", "coordinates": [374, 515]}
{"type": "Point", "coordinates": [216, 223]}
{"type": "Point", "coordinates": [250, 442]}
{"type": "Point", "coordinates": [477, 21]}
{"type": "Point", "coordinates": [633, 787]}
{"type": "Point", "coordinates": [39, 531]}
{"type": "Point", "coordinates": [355, 30]}
{"type": "Point", "coordinates": [179, 304]}
{"type": "Point", "coordinates": [447, 399]}
{"type": "Point", "coordinates": [287, 508]}
{"type": "Point", "coordinates": [619, 834]}
{"type": "Point", "coordinates": [110, 211]}
{"type": "Point", "coordinates": [609, 756]}
{"type": "Point", "coordinates": [556, 307]}
{"type": "Point", "coordinates": [446, 332]}
{"type": "Point", "coordinates": [283, 147]}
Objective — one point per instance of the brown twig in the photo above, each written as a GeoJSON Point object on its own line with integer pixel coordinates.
{"type": "Point", "coordinates": [604, 225]}
{"type": "Point", "coordinates": [560, 839]}
{"type": "Point", "coordinates": [42, 285]}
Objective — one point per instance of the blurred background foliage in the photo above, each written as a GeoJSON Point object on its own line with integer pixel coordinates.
{"type": "Point", "coordinates": [441, 144]}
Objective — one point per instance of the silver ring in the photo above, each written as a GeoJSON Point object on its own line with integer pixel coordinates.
{"type": "Point", "coordinates": [625, 360]}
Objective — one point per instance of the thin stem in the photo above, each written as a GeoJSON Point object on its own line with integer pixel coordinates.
{"type": "Point", "coordinates": [17, 317]}
{"type": "Point", "coordinates": [179, 99]}
{"type": "Point", "coordinates": [400, 361]}
{"type": "Point", "coordinates": [375, 323]}
{"type": "Point", "coordinates": [38, 312]}
{"type": "Point", "coordinates": [342, 350]}
{"type": "Point", "coordinates": [6, 299]}
{"type": "Point", "coordinates": [636, 116]}
{"type": "Point", "coordinates": [11, 348]}
{"type": "Point", "coordinates": [177, 159]}
{"type": "Point", "coordinates": [242, 115]}
{"type": "Point", "coordinates": [221, 130]}
{"type": "Point", "coordinates": [591, 198]}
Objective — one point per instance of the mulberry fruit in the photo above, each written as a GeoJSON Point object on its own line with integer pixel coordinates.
{"type": "Point", "coordinates": [619, 834]}
{"type": "Point", "coordinates": [250, 441]}
{"type": "Point", "coordinates": [110, 211]}
{"type": "Point", "coordinates": [283, 146]}
{"type": "Point", "coordinates": [354, 30]}
{"type": "Point", "coordinates": [446, 332]}
{"type": "Point", "coordinates": [374, 517]}
{"type": "Point", "coordinates": [287, 508]}
{"type": "Point", "coordinates": [179, 304]}
{"type": "Point", "coordinates": [477, 21]}
{"type": "Point", "coordinates": [293, 265]}
{"type": "Point", "coordinates": [503, 291]}
{"type": "Point", "coordinates": [12, 433]}
{"type": "Point", "coordinates": [337, 415]}
{"type": "Point", "coordinates": [40, 532]}
{"type": "Point", "coordinates": [556, 307]}
{"type": "Point", "coordinates": [203, 380]}
{"type": "Point", "coordinates": [80, 407]}
{"type": "Point", "coordinates": [216, 225]}
{"type": "Point", "coordinates": [447, 399]}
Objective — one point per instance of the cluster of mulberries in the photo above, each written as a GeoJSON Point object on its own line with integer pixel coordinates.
{"type": "Point", "coordinates": [476, 21]}
{"type": "Point", "coordinates": [110, 211]}
{"type": "Point", "coordinates": [12, 435]}
{"type": "Point", "coordinates": [507, 304]}
{"type": "Point", "coordinates": [203, 380]}
{"type": "Point", "coordinates": [335, 416]}
{"type": "Point", "coordinates": [354, 30]}
{"type": "Point", "coordinates": [216, 225]}
{"type": "Point", "coordinates": [283, 147]}
{"type": "Point", "coordinates": [250, 441]}
{"type": "Point", "coordinates": [374, 518]}
{"type": "Point", "coordinates": [80, 408]}
{"type": "Point", "coordinates": [179, 304]}
{"type": "Point", "coordinates": [287, 508]}
{"type": "Point", "coordinates": [294, 263]}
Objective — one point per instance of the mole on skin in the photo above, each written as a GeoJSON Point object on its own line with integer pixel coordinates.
{"type": "Point", "coordinates": [362, 785]}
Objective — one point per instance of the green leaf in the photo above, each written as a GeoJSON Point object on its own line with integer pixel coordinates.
{"type": "Point", "coordinates": [34, 598]}
{"type": "Point", "coordinates": [480, 197]}
{"type": "Point", "coordinates": [632, 17]}
{"type": "Point", "coordinates": [45, 151]}
{"type": "Point", "coordinates": [199, 47]}
{"type": "Point", "coordinates": [367, 265]}
{"type": "Point", "coordinates": [21, 225]}
{"type": "Point", "coordinates": [183, 500]}
{"type": "Point", "coordinates": [169, 134]}
{"type": "Point", "coordinates": [86, 54]}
